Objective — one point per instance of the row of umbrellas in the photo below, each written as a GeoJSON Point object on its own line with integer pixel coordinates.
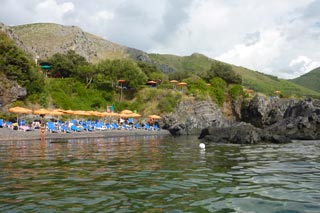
{"type": "Point", "coordinates": [58, 112]}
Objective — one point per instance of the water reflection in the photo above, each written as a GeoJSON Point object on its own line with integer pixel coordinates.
{"type": "Point", "coordinates": [157, 174]}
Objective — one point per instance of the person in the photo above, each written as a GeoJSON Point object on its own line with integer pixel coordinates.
{"type": "Point", "coordinates": [150, 121]}
{"type": "Point", "coordinates": [43, 131]}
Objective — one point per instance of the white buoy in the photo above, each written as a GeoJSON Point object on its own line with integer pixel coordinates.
{"type": "Point", "coordinates": [202, 146]}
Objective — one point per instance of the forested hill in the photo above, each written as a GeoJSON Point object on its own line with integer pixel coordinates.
{"type": "Point", "coordinates": [259, 82]}
{"type": "Point", "coordinates": [47, 39]}
{"type": "Point", "coordinates": [310, 80]}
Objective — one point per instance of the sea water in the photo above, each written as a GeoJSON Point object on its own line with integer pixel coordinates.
{"type": "Point", "coordinates": [158, 174]}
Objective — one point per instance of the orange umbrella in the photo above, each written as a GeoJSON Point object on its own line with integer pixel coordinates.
{"type": "Point", "coordinates": [55, 112]}
{"type": "Point", "coordinates": [20, 110]}
{"type": "Point", "coordinates": [174, 81]}
{"type": "Point", "coordinates": [135, 115]}
{"type": "Point", "coordinates": [41, 111]}
{"type": "Point", "coordinates": [182, 84]}
{"type": "Point", "coordinates": [126, 111]}
{"type": "Point", "coordinates": [154, 116]}
{"type": "Point", "coordinates": [151, 82]}
{"type": "Point", "coordinates": [69, 111]}
{"type": "Point", "coordinates": [121, 81]}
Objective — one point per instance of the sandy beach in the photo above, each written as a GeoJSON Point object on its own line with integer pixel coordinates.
{"type": "Point", "coordinates": [7, 134]}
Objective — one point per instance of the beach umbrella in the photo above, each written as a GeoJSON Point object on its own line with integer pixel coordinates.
{"type": "Point", "coordinates": [154, 116]}
{"type": "Point", "coordinates": [135, 115]}
{"type": "Point", "coordinates": [182, 84]}
{"type": "Point", "coordinates": [174, 82]}
{"type": "Point", "coordinates": [55, 112]}
{"type": "Point", "coordinates": [19, 110]}
{"type": "Point", "coordinates": [41, 112]}
{"type": "Point", "coordinates": [131, 115]}
{"type": "Point", "coordinates": [151, 82]}
{"type": "Point", "coordinates": [126, 111]}
{"type": "Point", "coordinates": [81, 113]}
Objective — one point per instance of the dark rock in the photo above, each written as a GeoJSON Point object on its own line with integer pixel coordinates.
{"type": "Point", "coordinates": [241, 133]}
{"type": "Point", "coordinates": [262, 111]}
{"type": "Point", "coordinates": [301, 121]}
{"type": "Point", "coordinates": [10, 91]}
{"type": "Point", "coordinates": [192, 116]}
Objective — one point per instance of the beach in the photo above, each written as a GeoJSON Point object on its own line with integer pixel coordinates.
{"type": "Point", "coordinates": [7, 134]}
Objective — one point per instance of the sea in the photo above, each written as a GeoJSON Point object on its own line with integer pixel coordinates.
{"type": "Point", "coordinates": [158, 174]}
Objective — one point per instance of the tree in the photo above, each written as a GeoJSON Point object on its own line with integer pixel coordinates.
{"type": "Point", "coordinates": [224, 71]}
{"type": "Point", "coordinates": [17, 66]}
{"type": "Point", "coordinates": [67, 64]}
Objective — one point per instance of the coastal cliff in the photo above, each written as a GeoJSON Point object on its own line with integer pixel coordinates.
{"type": "Point", "coordinates": [262, 120]}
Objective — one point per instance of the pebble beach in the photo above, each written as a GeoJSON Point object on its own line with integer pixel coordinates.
{"type": "Point", "coordinates": [7, 134]}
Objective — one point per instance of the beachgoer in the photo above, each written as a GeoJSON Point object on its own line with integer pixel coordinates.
{"type": "Point", "coordinates": [43, 131]}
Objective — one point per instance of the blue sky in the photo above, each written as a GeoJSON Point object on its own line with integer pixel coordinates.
{"type": "Point", "coordinates": [278, 37]}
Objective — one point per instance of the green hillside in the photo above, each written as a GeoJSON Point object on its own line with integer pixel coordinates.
{"type": "Point", "coordinates": [310, 80]}
{"type": "Point", "coordinates": [259, 82]}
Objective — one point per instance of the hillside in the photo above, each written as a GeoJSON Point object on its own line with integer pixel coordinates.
{"type": "Point", "coordinates": [309, 80]}
{"type": "Point", "coordinates": [46, 39]}
{"type": "Point", "coordinates": [257, 81]}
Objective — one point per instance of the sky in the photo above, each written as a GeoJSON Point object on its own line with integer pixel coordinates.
{"type": "Point", "coordinates": [277, 37]}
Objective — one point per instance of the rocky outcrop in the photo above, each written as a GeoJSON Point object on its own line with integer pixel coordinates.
{"type": "Point", "coordinates": [240, 133]}
{"type": "Point", "coordinates": [301, 121]}
{"type": "Point", "coordinates": [192, 116]}
{"type": "Point", "coordinates": [281, 120]}
{"type": "Point", "coordinates": [262, 111]}
{"type": "Point", "coordinates": [10, 91]}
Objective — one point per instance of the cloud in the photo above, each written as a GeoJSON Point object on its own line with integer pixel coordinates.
{"type": "Point", "coordinates": [265, 36]}
{"type": "Point", "coordinates": [303, 64]}
{"type": "Point", "coordinates": [52, 11]}
{"type": "Point", "coordinates": [259, 54]}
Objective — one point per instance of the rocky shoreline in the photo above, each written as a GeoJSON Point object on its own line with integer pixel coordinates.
{"type": "Point", "coordinates": [262, 120]}
{"type": "Point", "coordinates": [7, 134]}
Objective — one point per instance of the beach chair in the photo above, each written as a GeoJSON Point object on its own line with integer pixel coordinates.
{"type": "Point", "coordinates": [65, 129]}
{"type": "Point", "coordinates": [86, 127]}
{"type": "Point", "coordinates": [147, 127]}
{"type": "Point", "coordinates": [115, 126]}
{"type": "Point", "coordinates": [156, 127]}
{"type": "Point", "coordinates": [51, 127]}
{"type": "Point", "coordinates": [100, 126]}
{"type": "Point", "coordinates": [75, 128]}
{"type": "Point", "coordinates": [137, 126]}
{"type": "Point", "coordinates": [1, 123]}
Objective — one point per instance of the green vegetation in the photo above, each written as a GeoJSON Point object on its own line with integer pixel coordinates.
{"type": "Point", "coordinates": [75, 83]}
{"type": "Point", "coordinates": [17, 66]}
{"type": "Point", "coordinates": [199, 64]}
{"type": "Point", "coordinates": [310, 80]}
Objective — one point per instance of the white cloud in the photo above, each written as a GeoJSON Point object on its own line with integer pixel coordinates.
{"type": "Point", "coordinates": [303, 64]}
{"type": "Point", "coordinates": [265, 36]}
{"type": "Point", "coordinates": [52, 11]}
{"type": "Point", "coordinates": [257, 55]}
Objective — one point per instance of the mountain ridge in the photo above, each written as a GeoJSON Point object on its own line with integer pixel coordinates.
{"type": "Point", "coordinates": [309, 80]}
{"type": "Point", "coordinates": [46, 39]}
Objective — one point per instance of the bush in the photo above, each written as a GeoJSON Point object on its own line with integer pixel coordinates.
{"type": "Point", "coordinates": [235, 91]}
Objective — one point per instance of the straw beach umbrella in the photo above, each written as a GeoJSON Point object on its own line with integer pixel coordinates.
{"type": "Point", "coordinates": [19, 110]}
{"type": "Point", "coordinates": [126, 111]}
{"type": "Point", "coordinates": [154, 117]}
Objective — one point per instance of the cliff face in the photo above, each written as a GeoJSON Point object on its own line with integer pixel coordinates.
{"type": "Point", "coordinates": [262, 111]}
{"type": "Point", "coordinates": [10, 91]}
{"type": "Point", "coordinates": [46, 39]}
{"type": "Point", "coordinates": [192, 116]}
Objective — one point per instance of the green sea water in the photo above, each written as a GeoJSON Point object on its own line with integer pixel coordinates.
{"type": "Point", "coordinates": [158, 174]}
